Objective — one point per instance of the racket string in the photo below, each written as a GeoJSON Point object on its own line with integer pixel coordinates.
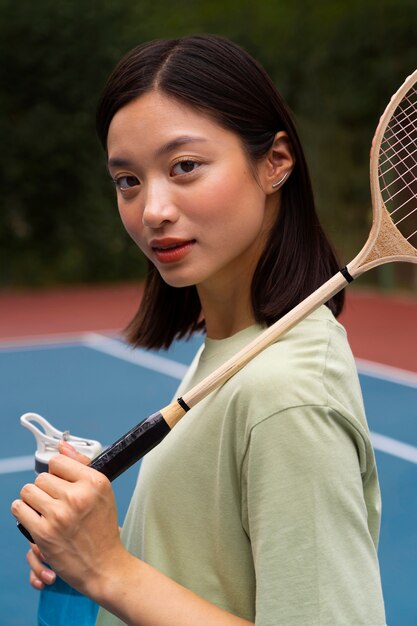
{"type": "Point", "coordinates": [398, 121]}
{"type": "Point", "coordinates": [394, 159]}
{"type": "Point", "coordinates": [397, 167]}
{"type": "Point", "coordinates": [403, 110]}
{"type": "Point", "coordinates": [389, 158]}
{"type": "Point", "coordinates": [400, 140]}
{"type": "Point", "coordinates": [403, 113]}
{"type": "Point", "coordinates": [386, 189]}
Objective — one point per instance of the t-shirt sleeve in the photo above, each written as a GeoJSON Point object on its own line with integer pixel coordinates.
{"type": "Point", "coordinates": [303, 509]}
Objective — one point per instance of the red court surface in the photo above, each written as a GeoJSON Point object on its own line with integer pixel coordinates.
{"type": "Point", "coordinates": [381, 328]}
{"type": "Point", "coordinates": [67, 310]}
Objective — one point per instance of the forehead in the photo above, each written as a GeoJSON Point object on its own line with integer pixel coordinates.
{"type": "Point", "coordinates": [155, 118]}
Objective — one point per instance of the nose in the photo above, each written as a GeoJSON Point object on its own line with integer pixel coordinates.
{"type": "Point", "coordinates": [159, 207]}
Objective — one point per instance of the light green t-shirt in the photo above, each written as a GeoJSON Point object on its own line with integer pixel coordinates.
{"type": "Point", "coordinates": [264, 499]}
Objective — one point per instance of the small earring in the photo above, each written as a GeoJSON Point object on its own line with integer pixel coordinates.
{"type": "Point", "coordinates": [280, 181]}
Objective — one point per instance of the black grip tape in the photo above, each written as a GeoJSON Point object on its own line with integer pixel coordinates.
{"type": "Point", "coordinates": [25, 532]}
{"type": "Point", "coordinates": [131, 447]}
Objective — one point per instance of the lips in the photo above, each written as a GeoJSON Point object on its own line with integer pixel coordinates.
{"type": "Point", "coordinates": [171, 250]}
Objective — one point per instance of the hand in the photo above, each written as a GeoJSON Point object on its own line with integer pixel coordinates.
{"type": "Point", "coordinates": [41, 575]}
{"type": "Point", "coordinates": [76, 531]}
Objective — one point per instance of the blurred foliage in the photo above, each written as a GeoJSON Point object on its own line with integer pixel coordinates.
{"type": "Point", "coordinates": [336, 63]}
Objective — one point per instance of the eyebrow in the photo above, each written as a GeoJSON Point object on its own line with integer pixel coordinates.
{"type": "Point", "coordinates": [177, 143]}
{"type": "Point", "coordinates": [117, 162]}
{"type": "Point", "coordinates": [170, 146]}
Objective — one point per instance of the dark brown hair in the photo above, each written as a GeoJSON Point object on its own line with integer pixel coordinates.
{"type": "Point", "coordinates": [219, 78]}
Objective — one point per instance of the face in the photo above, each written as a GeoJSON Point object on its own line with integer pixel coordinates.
{"type": "Point", "coordinates": [187, 194]}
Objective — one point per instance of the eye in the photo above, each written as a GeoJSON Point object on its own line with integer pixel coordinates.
{"type": "Point", "coordinates": [126, 182]}
{"type": "Point", "coordinates": [184, 167]}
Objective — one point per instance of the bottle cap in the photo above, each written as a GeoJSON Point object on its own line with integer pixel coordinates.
{"type": "Point", "coordinates": [48, 438]}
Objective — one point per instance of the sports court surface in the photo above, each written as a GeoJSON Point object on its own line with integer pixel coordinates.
{"type": "Point", "coordinates": [61, 356]}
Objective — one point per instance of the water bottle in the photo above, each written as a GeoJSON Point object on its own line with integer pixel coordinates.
{"type": "Point", "coordinates": [60, 604]}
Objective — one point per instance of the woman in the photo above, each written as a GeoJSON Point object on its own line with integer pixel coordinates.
{"type": "Point", "coordinates": [262, 506]}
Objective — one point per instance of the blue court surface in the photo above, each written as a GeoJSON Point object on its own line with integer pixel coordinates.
{"type": "Point", "coordinates": [96, 387]}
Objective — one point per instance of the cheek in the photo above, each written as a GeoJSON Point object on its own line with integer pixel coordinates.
{"type": "Point", "coordinates": [132, 224]}
{"type": "Point", "coordinates": [235, 201]}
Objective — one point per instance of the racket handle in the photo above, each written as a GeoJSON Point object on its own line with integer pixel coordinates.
{"type": "Point", "coordinates": [131, 447]}
{"type": "Point", "coordinates": [25, 532]}
{"type": "Point", "coordinates": [125, 451]}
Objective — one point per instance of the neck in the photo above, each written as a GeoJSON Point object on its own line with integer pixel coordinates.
{"type": "Point", "coordinates": [227, 310]}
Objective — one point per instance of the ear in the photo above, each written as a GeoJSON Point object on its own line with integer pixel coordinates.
{"type": "Point", "coordinates": [277, 164]}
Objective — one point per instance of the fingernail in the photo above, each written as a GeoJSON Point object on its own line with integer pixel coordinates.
{"type": "Point", "coordinates": [67, 447]}
{"type": "Point", "coordinates": [38, 584]}
{"type": "Point", "coordinates": [15, 505]}
{"type": "Point", "coordinates": [48, 576]}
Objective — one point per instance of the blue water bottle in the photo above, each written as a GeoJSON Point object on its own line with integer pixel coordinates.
{"type": "Point", "coordinates": [60, 604]}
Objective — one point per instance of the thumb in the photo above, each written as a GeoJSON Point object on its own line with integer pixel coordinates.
{"type": "Point", "coordinates": [68, 450]}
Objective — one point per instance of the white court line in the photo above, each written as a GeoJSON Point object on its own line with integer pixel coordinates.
{"type": "Point", "coordinates": [117, 349]}
{"type": "Point", "coordinates": [40, 342]}
{"type": "Point", "coordinates": [387, 372]}
{"type": "Point", "coordinates": [394, 447]}
{"type": "Point", "coordinates": [17, 464]}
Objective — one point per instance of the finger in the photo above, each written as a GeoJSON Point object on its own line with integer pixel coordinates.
{"type": "Point", "coordinates": [36, 582]}
{"type": "Point", "coordinates": [39, 571]}
{"type": "Point", "coordinates": [73, 471]}
{"type": "Point", "coordinates": [27, 516]}
{"type": "Point", "coordinates": [54, 486]}
{"type": "Point", "coordinates": [67, 450]}
{"type": "Point", "coordinates": [67, 468]}
{"type": "Point", "coordinates": [36, 498]}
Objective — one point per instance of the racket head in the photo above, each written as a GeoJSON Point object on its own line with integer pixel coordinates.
{"type": "Point", "coordinates": [393, 172]}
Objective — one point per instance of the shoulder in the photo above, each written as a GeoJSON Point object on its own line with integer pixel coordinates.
{"type": "Point", "coordinates": [304, 367]}
{"type": "Point", "coordinates": [308, 372]}
{"type": "Point", "coordinates": [310, 366]}
{"type": "Point", "coordinates": [306, 387]}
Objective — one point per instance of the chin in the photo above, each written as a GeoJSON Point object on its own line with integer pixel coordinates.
{"type": "Point", "coordinates": [177, 282]}
{"type": "Point", "coordinates": [178, 277]}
